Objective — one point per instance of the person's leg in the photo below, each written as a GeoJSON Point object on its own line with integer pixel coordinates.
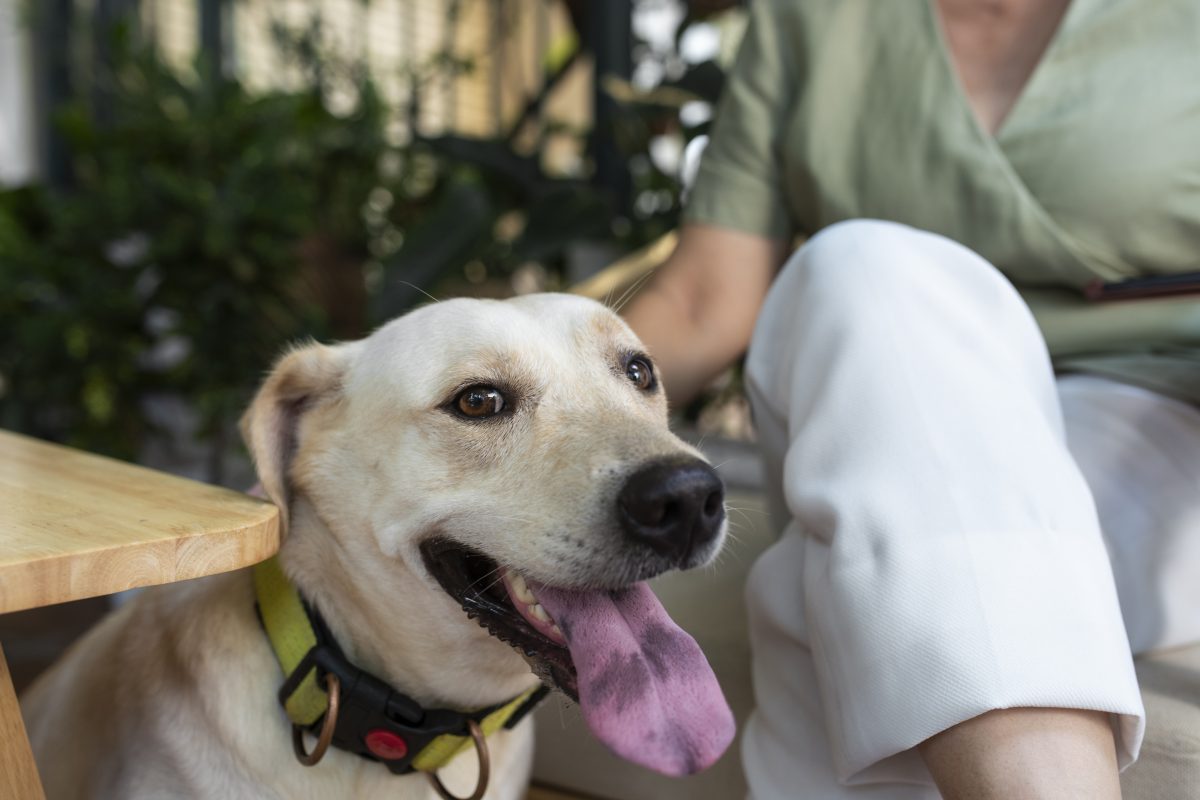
{"type": "Point", "coordinates": [943, 558]}
{"type": "Point", "coordinates": [1140, 454]}
{"type": "Point", "coordinates": [1031, 753]}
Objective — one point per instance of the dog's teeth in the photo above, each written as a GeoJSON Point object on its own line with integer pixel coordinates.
{"type": "Point", "coordinates": [521, 590]}
{"type": "Point", "coordinates": [557, 630]}
{"type": "Point", "coordinates": [539, 613]}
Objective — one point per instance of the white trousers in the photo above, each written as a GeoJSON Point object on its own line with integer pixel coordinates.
{"type": "Point", "coordinates": [943, 554]}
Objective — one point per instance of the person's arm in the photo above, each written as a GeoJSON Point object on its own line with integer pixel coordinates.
{"type": "Point", "coordinates": [1030, 753]}
{"type": "Point", "coordinates": [697, 314]}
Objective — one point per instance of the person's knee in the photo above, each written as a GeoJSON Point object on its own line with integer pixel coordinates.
{"type": "Point", "coordinates": [886, 279]}
{"type": "Point", "coordinates": [865, 266]}
{"type": "Point", "coordinates": [873, 259]}
{"type": "Point", "coordinates": [864, 244]}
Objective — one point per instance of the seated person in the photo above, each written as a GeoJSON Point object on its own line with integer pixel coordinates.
{"type": "Point", "coordinates": [974, 547]}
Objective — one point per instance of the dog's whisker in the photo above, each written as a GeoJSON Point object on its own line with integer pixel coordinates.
{"type": "Point", "coordinates": [747, 509]}
{"type": "Point", "coordinates": [483, 578]}
{"type": "Point", "coordinates": [629, 294]}
{"type": "Point", "coordinates": [741, 511]}
{"type": "Point", "coordinates": [616, 307]}
{"type": "Point", "coordinates": [744, 516]}
{"type": "Point", "coordinates": [731, 554]}
{"type": "Point", "coordinates": [633, 289]}
{"type": "Point", "coordinates": [419, 289]}
{"type": "Point", "coordinates": [487, 588]}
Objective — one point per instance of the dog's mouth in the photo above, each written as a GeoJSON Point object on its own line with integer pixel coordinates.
{"type": "Point", "coordinates": [501, 601]}
{"type": "Point", "coordinates": [644, 687]}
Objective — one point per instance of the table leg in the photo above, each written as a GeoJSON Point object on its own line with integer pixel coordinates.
{"type": "Point", "coordinates": [18, 774]}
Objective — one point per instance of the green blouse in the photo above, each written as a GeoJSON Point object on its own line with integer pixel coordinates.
{"type": "Point", "coordinates": [838, 109]}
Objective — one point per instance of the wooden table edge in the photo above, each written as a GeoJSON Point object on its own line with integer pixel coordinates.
{"type": "Point", "coordinates": [244, 546]}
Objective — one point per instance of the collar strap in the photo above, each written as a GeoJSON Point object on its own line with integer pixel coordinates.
{"type": "Point", "coordinates": [375, 721]}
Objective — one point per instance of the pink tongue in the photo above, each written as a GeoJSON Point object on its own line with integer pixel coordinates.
{"type": "Point", "coordinates": [645, 688]}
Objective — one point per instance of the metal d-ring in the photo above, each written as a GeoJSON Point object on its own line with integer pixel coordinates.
{"type": "Point", "coordinates": [484, 767]}
{"type": "Point", "coordinates": [333, 688]}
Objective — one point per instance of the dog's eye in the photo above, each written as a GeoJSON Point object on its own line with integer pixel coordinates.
{"type": "Point", "coordinates": [478, 402]}
{"type": "Point", "coordinates": [639, 371]}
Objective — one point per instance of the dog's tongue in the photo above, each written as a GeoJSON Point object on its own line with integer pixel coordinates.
{"type": "Point", "coordinates": [645, 688]}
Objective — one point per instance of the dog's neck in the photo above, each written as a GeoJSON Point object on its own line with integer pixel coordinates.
{"type": "Point", "coordinates": [392, 623]}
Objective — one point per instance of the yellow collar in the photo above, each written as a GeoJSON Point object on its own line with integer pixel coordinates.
{"type": "Point", "coordinates": [373, 719]}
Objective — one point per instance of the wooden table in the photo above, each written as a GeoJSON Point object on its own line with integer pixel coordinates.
{"type": "Point", "coordinates": [76, 525]}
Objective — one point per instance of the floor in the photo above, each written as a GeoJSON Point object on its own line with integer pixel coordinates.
{"type": "Point", "coordinates": [546, 793]}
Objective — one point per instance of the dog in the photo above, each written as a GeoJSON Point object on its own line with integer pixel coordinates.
{"type": "Point", "coordinates": [471, 498]}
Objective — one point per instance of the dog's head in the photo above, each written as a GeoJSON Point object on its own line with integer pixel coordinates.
{"type": "Point", "coordinates": [512, 457]}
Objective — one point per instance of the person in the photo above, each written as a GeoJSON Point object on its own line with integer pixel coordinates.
{"type": "Point", "coordinates": [973, 547]}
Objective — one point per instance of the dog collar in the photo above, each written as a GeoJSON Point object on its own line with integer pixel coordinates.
{"type": "Point", "coordinates": [370, 718]}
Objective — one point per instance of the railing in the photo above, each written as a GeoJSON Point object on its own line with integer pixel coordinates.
{"type": "Point", "coordinates": [506, 70]}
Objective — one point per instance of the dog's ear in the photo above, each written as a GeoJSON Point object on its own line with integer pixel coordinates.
{"type": "Point", "coordinates": [301, 379]}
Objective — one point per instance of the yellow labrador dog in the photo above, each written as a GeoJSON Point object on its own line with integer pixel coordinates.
{"type": "Point", "coordinates": [473, 497]}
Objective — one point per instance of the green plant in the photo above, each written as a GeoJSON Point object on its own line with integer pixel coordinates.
{"type": "Point", "coordinates": [174, 261]}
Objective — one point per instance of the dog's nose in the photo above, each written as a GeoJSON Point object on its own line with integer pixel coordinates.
{"type": "Point", "coordinates": [674, 505]}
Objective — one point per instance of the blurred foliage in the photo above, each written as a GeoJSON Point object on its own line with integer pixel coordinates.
{"type": "Point", "coordinates": [170, 263]}
{"type": "Point", "coordinates": [206, 226]}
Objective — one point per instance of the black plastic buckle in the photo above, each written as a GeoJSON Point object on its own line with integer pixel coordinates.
{"type": "Point", "coordinates": [379, 723]}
